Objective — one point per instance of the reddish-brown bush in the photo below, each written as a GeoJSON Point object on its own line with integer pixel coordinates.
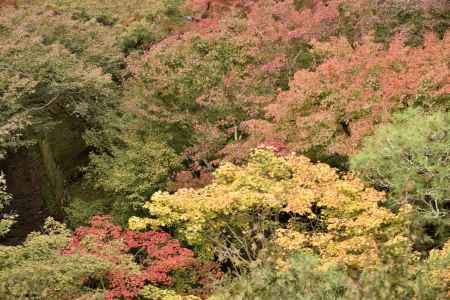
{"type": "Point", "coordinates": [138, 258]}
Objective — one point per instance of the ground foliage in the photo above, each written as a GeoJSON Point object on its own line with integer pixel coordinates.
{"type": "Point", "coordinates": [304, 277]}
{"type": "Point", "coordinates": [101, 260]}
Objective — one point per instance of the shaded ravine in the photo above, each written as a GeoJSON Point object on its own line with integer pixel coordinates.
{"type": "Point", "coordinates": [24, 177]}
{"type": "Point", "coordinates": [39, 176]}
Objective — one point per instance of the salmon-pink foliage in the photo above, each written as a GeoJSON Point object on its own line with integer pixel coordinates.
{"type": "Point", "coordinates": [354, 90]}
{"type": "Point", "coordinates": [307, 72]}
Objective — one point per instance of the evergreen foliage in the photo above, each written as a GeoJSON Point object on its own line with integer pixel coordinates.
{"type": "Point", "coordinates": [410, 159]}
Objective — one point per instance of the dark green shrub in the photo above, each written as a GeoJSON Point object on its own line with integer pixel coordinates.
{"type": "Point", "coordinates": [137, 37]}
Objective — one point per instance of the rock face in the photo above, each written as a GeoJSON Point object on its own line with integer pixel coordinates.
{"type": "Point", "coordinates": [39, 179]}
{"type": "Point", "coordinates": [24, 174]}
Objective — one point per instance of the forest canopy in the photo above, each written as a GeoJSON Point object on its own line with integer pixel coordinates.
{"type": "Point", "coordinates": [224, 149]}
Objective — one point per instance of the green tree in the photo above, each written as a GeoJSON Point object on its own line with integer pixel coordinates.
{"type": "Point", "coordinates": [410, 159]}
{"type": "Point", "coordinates": [132, 170]}
{"type": "Point", "coordinates": [42, 80]}
{"type": "Point", "coordinates": [56, 74]}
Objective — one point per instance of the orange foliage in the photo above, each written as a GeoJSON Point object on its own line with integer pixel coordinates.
{"type": "Point", "coordinates": [333, 105]}
{"type": "Point", "coordinates": [8, 3]}
{"type": "Point", "coordinates": [354, 90]}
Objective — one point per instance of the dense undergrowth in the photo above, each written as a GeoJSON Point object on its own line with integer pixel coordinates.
{"type": "Point", "coordinates": [292, 149]}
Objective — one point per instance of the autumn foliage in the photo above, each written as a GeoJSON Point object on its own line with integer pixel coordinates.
{"type": "Point", "coordinates": [231, 130]}
{"type": "Point", "coordinates": [314, 74]}
{"type": "Point", "coordinates": [353, 91]}
{"type": "Point", "coordinates": [333, 215]}
{"type": "Point", "coordinates": [158, 257]}
{"type": "Point", "coordinates": [12, 3]}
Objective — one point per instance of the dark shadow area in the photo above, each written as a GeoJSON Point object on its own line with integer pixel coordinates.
{"type": "Point", "coordinates": [24, 174]}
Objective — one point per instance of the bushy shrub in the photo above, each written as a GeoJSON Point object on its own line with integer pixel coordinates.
{"type": "Point", "coordinates": [79, 212]}
{"type": "Point", "coordinates": [132, 172]}
{"type": "Point", "coordinates": [140, 258]}
{"type": "Point", "coordinates": [101, 260]}
{"type": "Point", "coordinates": [116, 13]}
{"type": "Point", "coordinates": [410, 159]}
{"type": "Point", "coordinates": [37, 270]}
{"type": "Point", "coordinates": [303, 276]}
{"type": "Point", "coordinates": [299, 277]}
{"type": "Point", "coordinates": [151, 292]}
{"type": "Point", "coordinates": [137, 37]}
{"type": "Point", "coordinates": [433, 280]}
{"type": "Point", "coordinates": [401, 278]}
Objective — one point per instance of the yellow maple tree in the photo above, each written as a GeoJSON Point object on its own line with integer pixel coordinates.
{"type": "Point", "coordinates": [286, 202]}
